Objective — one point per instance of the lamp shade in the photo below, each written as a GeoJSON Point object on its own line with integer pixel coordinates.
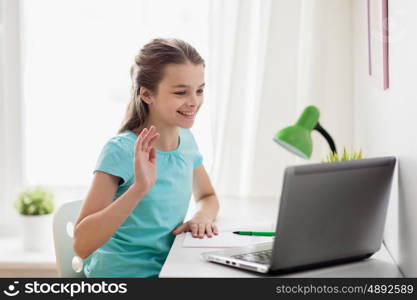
{"type": "Point", "coordinates": [297, 138]}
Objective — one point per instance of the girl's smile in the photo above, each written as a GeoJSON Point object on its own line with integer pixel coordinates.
{"type": "Point", "coordinates": [187, 114]}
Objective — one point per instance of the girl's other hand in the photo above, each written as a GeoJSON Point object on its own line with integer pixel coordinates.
{"type": "Point", "coordinates": [198, 225]}
{"type": "Point", "coordinates": [145, 159]}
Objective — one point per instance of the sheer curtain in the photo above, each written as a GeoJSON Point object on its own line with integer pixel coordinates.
{"type": "Point", "coordinates": [271, 59]}
{"type": "Point", "coordinates": [238, 45]}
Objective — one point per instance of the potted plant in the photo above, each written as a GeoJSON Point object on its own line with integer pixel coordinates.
{"type": "Point", "coordinates": [35, 206]}
{"type": "Point", "coordinates": [334, 157]}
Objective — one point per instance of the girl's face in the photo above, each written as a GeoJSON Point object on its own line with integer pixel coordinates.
{"type": "Point", "coordinates": [179, 95]}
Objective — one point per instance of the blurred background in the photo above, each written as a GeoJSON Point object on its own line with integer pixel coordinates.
{"type": "Point", "coordinates": [64, 88]}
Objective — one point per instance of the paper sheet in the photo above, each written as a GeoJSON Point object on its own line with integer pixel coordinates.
{"type": "Point", "coordinates": [224, 239]}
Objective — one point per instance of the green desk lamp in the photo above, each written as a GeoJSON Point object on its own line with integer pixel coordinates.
{"type": "Point", "coordinates": [297, 138]}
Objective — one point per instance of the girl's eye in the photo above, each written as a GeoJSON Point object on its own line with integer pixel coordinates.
{"type": "Point", "coordinates": [200, 91]}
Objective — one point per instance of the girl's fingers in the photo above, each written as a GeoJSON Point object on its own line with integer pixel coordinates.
{"type": "Point", "coordinates": [142, 133]}
{"type": "Point", "coordinates": [152, 155]}
{"type": "Point", "coordinates": [201, 230]}
{"type": "Point", "coordinates": [180, 229]}
{"type": "Point", "coordinates": [151, 140]}
{"type": "Point", "coordinates": [194, 229]}
{"type": "Point", "coordinates": [215, 230]}
{"type": "Point", "coordinates": [149, 133]}
{"type": "Point", "coordinates": [209, 231]}
{"type": "Point", "coordinates": [139, 138]}
{"type": "Point", "coordinates": [145, 138]}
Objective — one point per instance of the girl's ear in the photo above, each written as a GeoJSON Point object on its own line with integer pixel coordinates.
{"type": "Point", "coordinates": [145, 95]}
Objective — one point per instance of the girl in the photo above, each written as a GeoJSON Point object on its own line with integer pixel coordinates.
{"type": "Point", "coordinates": [145, 175]}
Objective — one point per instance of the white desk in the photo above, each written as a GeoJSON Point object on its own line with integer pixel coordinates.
{"type": "Point", "coordinates": [188, 262]}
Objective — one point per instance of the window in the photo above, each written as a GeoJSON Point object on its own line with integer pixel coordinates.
{"type": "Point", "coordinates": [76, 85]}
{"type": "Point", "coordinates": [10, 112]}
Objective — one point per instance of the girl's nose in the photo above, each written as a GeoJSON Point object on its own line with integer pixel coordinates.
{"type": "Point", "coordinates": [193, 100]}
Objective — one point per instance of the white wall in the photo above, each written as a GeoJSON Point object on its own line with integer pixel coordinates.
{"type": "Point", "coordinates": [384, 121]}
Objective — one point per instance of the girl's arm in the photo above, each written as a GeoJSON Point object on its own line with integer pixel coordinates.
{"type": "Point", "coordinates": [205, 196]}
{"type": "Point", "coordinates": [100, 216]}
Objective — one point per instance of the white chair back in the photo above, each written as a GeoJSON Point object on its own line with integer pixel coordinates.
{"type": "Point", "coordinates": [68, 263]}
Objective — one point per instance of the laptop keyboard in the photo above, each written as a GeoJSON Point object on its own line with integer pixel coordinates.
{"type": "Point", "coordinates": [261, 257]}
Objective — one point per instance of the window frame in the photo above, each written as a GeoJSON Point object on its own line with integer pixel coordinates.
{"type": "Point", "coordinates": [11, 127]}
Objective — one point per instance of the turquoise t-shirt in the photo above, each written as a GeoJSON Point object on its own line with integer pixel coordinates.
{"type": "Point", "coordinates": [141, 244]}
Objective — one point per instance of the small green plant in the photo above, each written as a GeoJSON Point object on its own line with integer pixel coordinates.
{"type": "Point", "coordinates": [35, 202]}
{"type": "Point", "coordinates": [333, 157]}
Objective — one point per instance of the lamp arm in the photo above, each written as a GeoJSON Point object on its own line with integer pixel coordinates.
{"type": "Point", "coordinates": [326, 136]}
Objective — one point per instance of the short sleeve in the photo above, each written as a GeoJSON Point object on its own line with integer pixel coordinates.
{"type": "Point", "coordinates": [198, 160]}
{"type": "Point", "coordinates": [113, 160]}
{"type": "Point", "coordinates": [197, 156]}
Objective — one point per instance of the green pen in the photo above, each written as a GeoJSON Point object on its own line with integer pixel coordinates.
{"type": "Point", "coordinates": [258, 233]}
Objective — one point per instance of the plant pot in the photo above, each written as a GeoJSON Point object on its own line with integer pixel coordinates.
{"type": "Point", "coordinates": [37, 233]}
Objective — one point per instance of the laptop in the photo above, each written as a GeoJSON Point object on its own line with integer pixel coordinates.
{"type": "Point", "coordinates": [330, 213]}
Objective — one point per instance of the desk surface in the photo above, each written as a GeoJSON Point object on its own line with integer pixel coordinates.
{"type": "Point", "coordinates": [188, 262]}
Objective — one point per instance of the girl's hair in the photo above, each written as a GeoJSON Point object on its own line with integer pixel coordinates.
{"type": "Point", "coordinates": [147, 72]}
